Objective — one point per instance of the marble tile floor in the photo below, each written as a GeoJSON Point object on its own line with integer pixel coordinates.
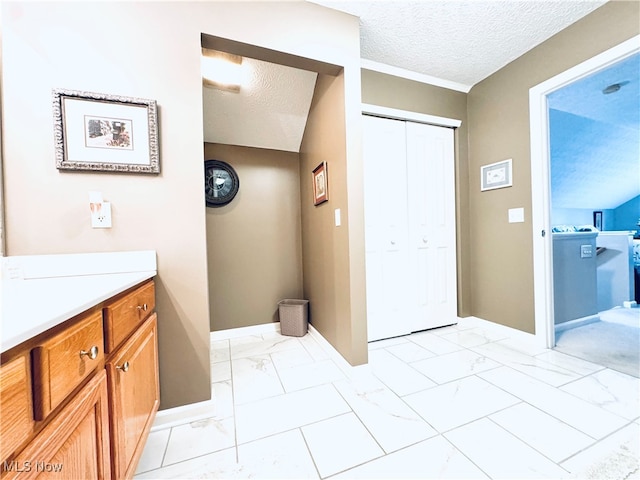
{"type": "Point", "coordinates": [465, 401]}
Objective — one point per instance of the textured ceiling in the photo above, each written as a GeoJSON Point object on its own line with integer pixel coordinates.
{"type": "Point", "coordinates": [585, 97]}
{"type": "Point", "coordinates": [270, 111]}
{"type": "Point", "coordinates": [457, 41]}
{"type": "Point", "coordinates": [461, 41]}
{"type": "Point", "coordinates": [595, 139]}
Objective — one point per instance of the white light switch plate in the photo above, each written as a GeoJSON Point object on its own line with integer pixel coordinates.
{"type": "Point", "coordinates": [516, 215]}
{"type": "Point", "coordinates": [337, 217]}
{"type": "Point", "coordinates": [586, 251]}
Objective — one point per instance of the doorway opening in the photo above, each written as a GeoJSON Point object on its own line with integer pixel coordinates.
{"type": "Point", "coordinates": [545, 314]}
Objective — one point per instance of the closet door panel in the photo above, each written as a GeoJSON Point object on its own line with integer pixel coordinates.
{"type": "Point", "coordinates": [431, 207]}
{"type": "Point", "coordinates": [386, 229]}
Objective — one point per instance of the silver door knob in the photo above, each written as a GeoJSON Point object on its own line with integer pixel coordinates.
{"type": "Point", "coordinates": [92, 353]}
{"type": "Point", "coordinates": [124, 367]}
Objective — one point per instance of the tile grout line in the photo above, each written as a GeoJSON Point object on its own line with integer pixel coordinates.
{"type": "Point", "coordinates": [233, 405]}
{"type": "Point", "coordinates": [526, 443]}
{"type": "Point", "coordinates": [500, 363]}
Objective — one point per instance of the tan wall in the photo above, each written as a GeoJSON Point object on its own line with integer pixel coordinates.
{"type": "Point", "coordinates": [326, 249]}
{"type": "Point", "coordinates": [394, 92]}
{"type": "Point", "coordinates": [254, 243]}
{"type": "Point", "coordinates": [501, 253]}
{"type": "Point", "coordinates": [128, 52]}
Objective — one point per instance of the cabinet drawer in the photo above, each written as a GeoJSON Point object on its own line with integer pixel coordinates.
{"type": "Point", "coordinates": [16, 410]}
{"type": "Point", "coordinates": [61, 363]}
{"type": "Point", "coordinates": [125, 314]}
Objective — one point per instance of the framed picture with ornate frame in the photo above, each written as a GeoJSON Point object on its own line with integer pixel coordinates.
{"type": "Point", "coordinates": [101, 132]}
{"type": "Point", "coordinates": [320, 184]}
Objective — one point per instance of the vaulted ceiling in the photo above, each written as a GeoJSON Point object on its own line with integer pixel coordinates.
{"type": "Point", "coordinates": [270, 110]}
{"type": "Point", "coordinates": [595, 139]}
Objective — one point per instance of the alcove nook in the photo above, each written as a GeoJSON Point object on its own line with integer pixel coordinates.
{"type": "Point", "coordinates": [271, 242]}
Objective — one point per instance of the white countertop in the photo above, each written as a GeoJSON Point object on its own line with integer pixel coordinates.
{"type": "Point", "coordinates": [32, 304]}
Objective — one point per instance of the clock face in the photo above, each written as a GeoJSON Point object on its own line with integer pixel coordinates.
{"type": "Point", "coordinates": [221, 183]}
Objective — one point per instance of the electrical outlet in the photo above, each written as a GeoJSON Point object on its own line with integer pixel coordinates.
{"type": "Point", "coordinates": [101, 218]}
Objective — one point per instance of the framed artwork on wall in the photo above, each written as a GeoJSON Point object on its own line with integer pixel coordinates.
{"type": "Point", "coordinates": [597, 220]}
{"type": "Point", "coordinates": [320, 184]}
{"type": "Point", "coordinates": [109, 133]}
{"type": "Point", "coordinates": [496, 175]}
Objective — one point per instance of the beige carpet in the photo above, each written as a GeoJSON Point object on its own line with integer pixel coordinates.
{"type": "Point", "coordinates": [613, 342]}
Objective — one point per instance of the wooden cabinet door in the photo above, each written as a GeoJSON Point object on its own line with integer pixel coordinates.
{"type": "Point", "coordinates": [75, 445]}
{"type": "Point", "coordinates": [135, 396]}
{"type": "Point", "coordinates": [16, 411]}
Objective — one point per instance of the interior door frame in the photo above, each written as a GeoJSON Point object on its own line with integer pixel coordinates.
{"type": "Point", "coordinates": [540, 181]}
{"type": "Point", "coordinates": [406, 115]}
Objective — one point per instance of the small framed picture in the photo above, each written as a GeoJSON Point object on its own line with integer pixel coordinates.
{"type": "Point", "coordinates": [597, 220]}
{"type": "Point", "coordinates": [100, 132]}
{"type": "Point", "coordinates": [320, 184]}
{"type": "Point", "coordinates": [496, 175]}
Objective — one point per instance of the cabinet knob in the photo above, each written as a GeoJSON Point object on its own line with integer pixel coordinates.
{"type": "Point", "coordinates": [425, 240]}
{"type": "Point", "coordinates": [124, 367]}
{"type": "Point", "coordinates": [92, 353]}
{"type": "Point", "coordinates": [143, 307]}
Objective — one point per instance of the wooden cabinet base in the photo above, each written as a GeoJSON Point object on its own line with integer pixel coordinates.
{"type": "Point", "coordinates": [77, 405]}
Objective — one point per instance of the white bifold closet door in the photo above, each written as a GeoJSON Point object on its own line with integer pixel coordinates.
{"type": "Point", "coordinates": [410, 241]}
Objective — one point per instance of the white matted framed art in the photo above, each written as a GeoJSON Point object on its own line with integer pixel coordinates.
{"type": "Point", "coordinates": [496, 175]}
{"type": "Point", "coordinates": [101, 132]}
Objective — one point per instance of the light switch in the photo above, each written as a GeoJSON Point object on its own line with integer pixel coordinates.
{"type": "Point", "coordinates": [586, 251]}
{"type": "Point", "coordinates": [516, 215]}
{"type": "Point", "coordinates": [337, 216]}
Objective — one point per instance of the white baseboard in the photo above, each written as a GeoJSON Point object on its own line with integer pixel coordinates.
{"type": "Point", "coordinates": [511, 332]}
{"type": "Point", "coordinates": [334, 355]}
{"type": "Point", "coordinates": [578, 322]}
{"type": "Point", "coordinates": [172, 417]}
{"type": "Point", "coordinates": [245, 331]}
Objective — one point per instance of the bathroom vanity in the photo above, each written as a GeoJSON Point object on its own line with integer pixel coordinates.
{"type": "Point", "coordinates": [79, 376]}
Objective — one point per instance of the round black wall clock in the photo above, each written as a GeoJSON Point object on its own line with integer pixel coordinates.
{"type": "Point", "coordinates": [221, 183]}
